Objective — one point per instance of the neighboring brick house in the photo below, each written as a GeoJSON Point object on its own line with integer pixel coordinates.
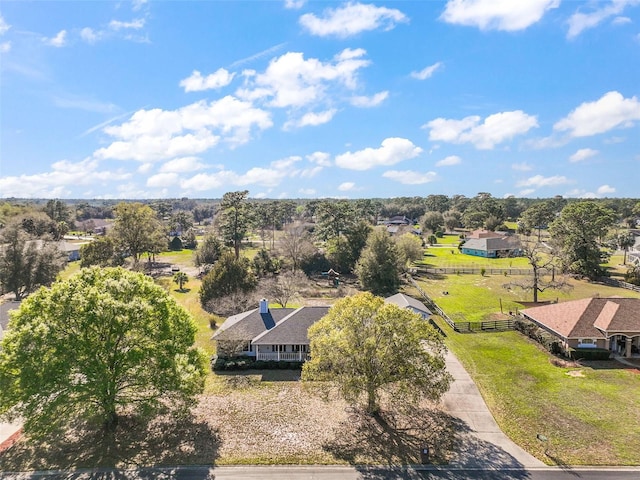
{"type": "Point", "coordinates": [610, 323]}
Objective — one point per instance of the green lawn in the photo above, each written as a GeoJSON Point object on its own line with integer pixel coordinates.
{"type": "Point", "coordinates": [589, 413]}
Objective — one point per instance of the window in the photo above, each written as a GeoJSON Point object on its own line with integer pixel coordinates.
{"type": "Point", "coordinates": [586, 343]}
{"type": "Point", "coordinates": [277, 348]}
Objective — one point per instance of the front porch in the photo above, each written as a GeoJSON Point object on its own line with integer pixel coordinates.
{"type": "Point", "coordinates": [626, 345]}
{"type": "Point", "coordinates": [282, 353]}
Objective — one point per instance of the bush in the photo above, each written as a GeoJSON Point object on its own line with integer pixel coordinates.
{"type": "Point", "coordinates": [589, 354]}
{"type": "Point", "coordinates": [531, 330]}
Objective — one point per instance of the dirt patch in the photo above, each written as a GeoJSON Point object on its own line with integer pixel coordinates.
{"type": "Point", "coordinates": [268, 423]}
{"type": "Point", "coordinates": [575, 373]}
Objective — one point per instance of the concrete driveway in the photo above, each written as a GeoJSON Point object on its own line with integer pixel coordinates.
{"type": "Point", "coordinates": [483, 445]}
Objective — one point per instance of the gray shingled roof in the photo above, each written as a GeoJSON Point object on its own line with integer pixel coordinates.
{"type": "Point", "coordinates": [490, 244]}
{"type": "Point", "coordinates": [248, 325]}
{"type": "Point", "coordinates": [405, 301]}
{"type": "Point", "coordinates": [292, 330]}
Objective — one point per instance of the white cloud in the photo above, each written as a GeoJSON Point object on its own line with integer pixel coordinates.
{"type": "Point", "coordinates": [196, 82]}
{"type": "Point", "coordinates": [135, 24]}
{"type": "Point", "coordinates": [582, 154]}
{"type": "Point", "coordinates": [89, 35]}
{"type": "Point", "coordinates": [4, 26]}
{"type": "Point", "coordinates": [294, 4]}
{"type": "Point", "coordinates": [181, 165]}
{"type": "Point", "coordinates": [578, 22]}
{"type": "Point", "coordinates": [392, 150]}
{"type": "Point", "coordinates": [539, 181]}
{"type": "Point", "coordinates": [605, 190]}
{"type": "Point", "coordinates": [58, 41]}
{"type": "Point", "coordinates": [311, 119]}
{"type": "Point", "coordinates": [426, 72]}
{"type": "Point", "coordinates": [321, 158]}
{"type": "Point", "coordinates": [522, 167]}
{"type": "Point", "coordinates": [137, 4]}
{"type": "Point", "coordinates": [346, 186]}
{"type": "Point", "coordinates": [292, 81]}
{"type": "Point", "coordinates": [526, 191]}
{"type": "Point", "coordinates": [151, 135]}
{"type": "Point", "coordinates": [145, 168]}
{"type": "Point", "coordinates": [506, 15]}
{"type": "Point", "coordinates": [367, 102]}
{"type": "Point", "coordinates": [307, 191]}
{"type": "Point", "coordinates": [5, 47]}
{"type": "Point", "coordinates": [621, 20]}
{"type": "Point", "coordinates": [352, 19]}
{"type": "Point", "coordinates": [495, 129]}
{"type": "Point", "coordinates": [449, 161]}
{"type": "Point", "coordinates": [163, 180]}
{"type": "Point", "coordinates": [82, 103]}
{"type": "Point", "coordinates": [59, 182]}
{"type": "Point", "coordinates": [409, 177]}
{"type": "Point", "coordinates": [612, 110]}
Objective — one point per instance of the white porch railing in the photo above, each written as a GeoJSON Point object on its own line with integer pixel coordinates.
{"type": "Point", "coordinates": [283, 356]}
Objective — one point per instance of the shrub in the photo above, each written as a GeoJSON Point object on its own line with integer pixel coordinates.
{"type": "Point", "coordinates": [589, 354]}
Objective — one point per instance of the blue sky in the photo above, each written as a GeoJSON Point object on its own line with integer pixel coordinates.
{"type": "Point", "coordinates": [295, 99]}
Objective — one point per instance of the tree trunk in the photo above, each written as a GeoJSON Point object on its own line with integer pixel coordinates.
{"type": "Point", "coordinates": [111, 421]}
{"type": "Point", "coordinates": [372, 401]}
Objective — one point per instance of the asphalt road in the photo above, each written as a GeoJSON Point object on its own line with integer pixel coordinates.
{"type": "Point", "coordinates": [331, 473]}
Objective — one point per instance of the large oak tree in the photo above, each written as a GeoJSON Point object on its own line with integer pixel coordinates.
{"type": "Point", "coordinates": [367, 348]}
{"type": "Point", "coordinates": [93, 346]}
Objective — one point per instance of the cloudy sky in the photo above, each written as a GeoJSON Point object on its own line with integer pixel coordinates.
{"type": "Point", "coordinates": [304, 99]}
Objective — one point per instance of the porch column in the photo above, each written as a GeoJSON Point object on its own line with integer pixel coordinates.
{"type": "Point", "coordinates": [627, 352]}
{"type": "Point", "coordinates": [606, 343]}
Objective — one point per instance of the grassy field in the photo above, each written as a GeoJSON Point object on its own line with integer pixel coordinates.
{"type": "Point", "coordinates": [444, 256]}
{"type": "Point", "coordinates": [588, 412]}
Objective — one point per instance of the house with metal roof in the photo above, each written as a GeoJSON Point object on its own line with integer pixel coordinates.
{"type": "Point", "coordinates": [611, 323]}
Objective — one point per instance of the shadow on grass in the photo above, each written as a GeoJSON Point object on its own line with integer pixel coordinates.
{"type": "Point", "coordinates": [165, 440]}
{"type": "Point", "coordinates": [608, 365]}
{"type": "Point", "coordinates": [182, 290]}
{"type": "Point", "coordinates": [397, 439]}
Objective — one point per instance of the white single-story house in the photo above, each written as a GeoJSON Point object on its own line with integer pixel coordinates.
{"type": "Point", "coordinates": [268, 334]}
{"type": "Point", "coordinates": [280, 334]}
{"type": "Point", "coordinates": [611, 323]}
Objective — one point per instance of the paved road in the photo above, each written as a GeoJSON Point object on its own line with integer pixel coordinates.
{"type": "Point", "coordinates": [330, 473]}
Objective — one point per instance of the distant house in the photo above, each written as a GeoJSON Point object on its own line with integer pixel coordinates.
{"type": "Point", "coordinates": [72, 250]}
{"type": "Point", "coordinates": [610, 323]}
{"type": "Point", "coordinates": [483, 243]}
{"type": "Point", "coordinates": [5, 308]}
{"type": "Point", "coordinates": [410, 303]}
{"type": "Point", "coordinates": [281, 334]}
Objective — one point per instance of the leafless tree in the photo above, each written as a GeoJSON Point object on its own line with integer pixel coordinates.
{"type": "Point", "coordinates": [284, 287]}
{"type": "Point", "coordinates": [296, 244]}
{"type": "Point", "coordinates": [542, 261]}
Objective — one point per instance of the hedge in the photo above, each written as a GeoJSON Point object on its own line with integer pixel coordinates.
{"type": "Point", "coordinates": [589, 353]}
{"type": "Point", "coordinates": [245, 363]}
